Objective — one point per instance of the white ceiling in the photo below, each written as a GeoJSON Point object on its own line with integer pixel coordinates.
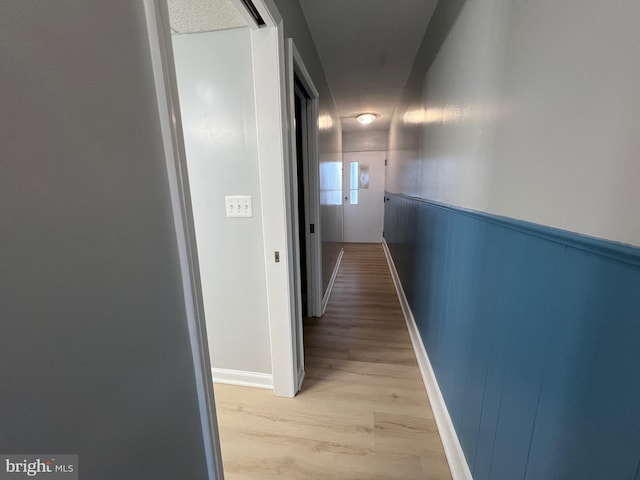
{"type": "Point", "coordinates": [367, 49]}
{"type": "Point", "coordinates": [191, 16]}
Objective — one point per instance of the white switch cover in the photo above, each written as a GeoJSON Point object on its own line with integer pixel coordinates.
{"type": "Point", "coordinates": [239, 205]}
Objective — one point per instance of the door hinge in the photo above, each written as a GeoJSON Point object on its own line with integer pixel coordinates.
{"type": "Point", "coordinates": [385, 162]}
{"type": "Point", "coordinates": [312, 228]}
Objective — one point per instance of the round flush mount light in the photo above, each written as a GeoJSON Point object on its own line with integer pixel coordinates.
{"type": "Point", "coordinates": [366, 118]}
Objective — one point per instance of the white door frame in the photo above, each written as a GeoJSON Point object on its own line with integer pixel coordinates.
{"type": "Point", "coordinates": [166, 86]}
{"type": "Point", "coordinates": [296, 68]}
{"type": "Point", "coordinates": [274, 139]}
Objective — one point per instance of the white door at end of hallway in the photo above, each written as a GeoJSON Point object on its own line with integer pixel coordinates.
{"type": "Point", "coordinates": [364, 196]}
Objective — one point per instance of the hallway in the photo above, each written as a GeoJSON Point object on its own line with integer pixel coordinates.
{"type": "Point", "coordinates": [362, 413]}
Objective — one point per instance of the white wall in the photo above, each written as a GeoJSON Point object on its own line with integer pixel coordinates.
{"type": "Point", "coordinates": [530, 110]}
{"type": "Point", "coordinates": [215, 81]}
{"type": "Point", "coordinates": [365, 141]}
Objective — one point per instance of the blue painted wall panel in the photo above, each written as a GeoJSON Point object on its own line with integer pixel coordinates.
{"type": "Point", "coordinates": [533, 336]}
{"type": "Point", "coordinates": [526, 291]}
{"type": "Point", "coordinates": [491, 403]}
{"type": "Point", "coordinates": [595, 376]}
{"type": "Point", "coordinates": [483, 384]}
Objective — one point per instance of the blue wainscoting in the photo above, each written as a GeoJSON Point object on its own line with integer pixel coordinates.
{"type": "Point", "coordinates": [534, 336]}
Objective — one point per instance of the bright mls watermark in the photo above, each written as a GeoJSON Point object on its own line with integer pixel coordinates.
{"type": "Point", "coordinates": [49, 467]}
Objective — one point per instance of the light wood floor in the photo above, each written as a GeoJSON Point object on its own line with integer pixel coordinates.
{"type": "Point", "coordinates": [362, 413]}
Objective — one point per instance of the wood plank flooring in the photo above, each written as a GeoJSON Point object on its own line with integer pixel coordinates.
{"type": "Point", "coordinates": [362, 413]}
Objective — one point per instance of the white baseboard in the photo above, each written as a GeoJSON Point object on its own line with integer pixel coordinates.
{"type": "Point", "coordinates": [327, 294]}
{"type": "Point", "coordinates": [242, 378]}
{"type": "Point", "coordinates": [452, 448]}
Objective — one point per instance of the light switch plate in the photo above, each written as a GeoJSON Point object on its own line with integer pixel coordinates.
{"type": "Point", "coordinates": [239, 206]}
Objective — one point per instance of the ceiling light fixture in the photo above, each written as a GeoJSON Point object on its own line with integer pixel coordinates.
{"type": "Point", "coordinates": [366, 118]}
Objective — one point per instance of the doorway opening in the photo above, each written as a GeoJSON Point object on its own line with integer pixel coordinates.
{"type": "Point", "coordinates": [304, 200]}
{"type": "Point", "coordinates": [277, 238]}
{"type": "Point", "coordinates": [301, 133]}
{"type": "Point", "coordinates": [304, 183]}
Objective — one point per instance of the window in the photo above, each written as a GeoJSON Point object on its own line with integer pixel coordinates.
{"type": "Point", "coordinates": [353, 183]}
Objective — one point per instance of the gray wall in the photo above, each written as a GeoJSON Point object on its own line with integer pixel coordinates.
{"type": "Point", "coordinates": [95, 355]}
{"type": "Point", "coordinates": [330, 147]}
{"type": "Point", "coordinates": [528, 110]}
{"type": "Point", "coordinates": [215, 82]}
